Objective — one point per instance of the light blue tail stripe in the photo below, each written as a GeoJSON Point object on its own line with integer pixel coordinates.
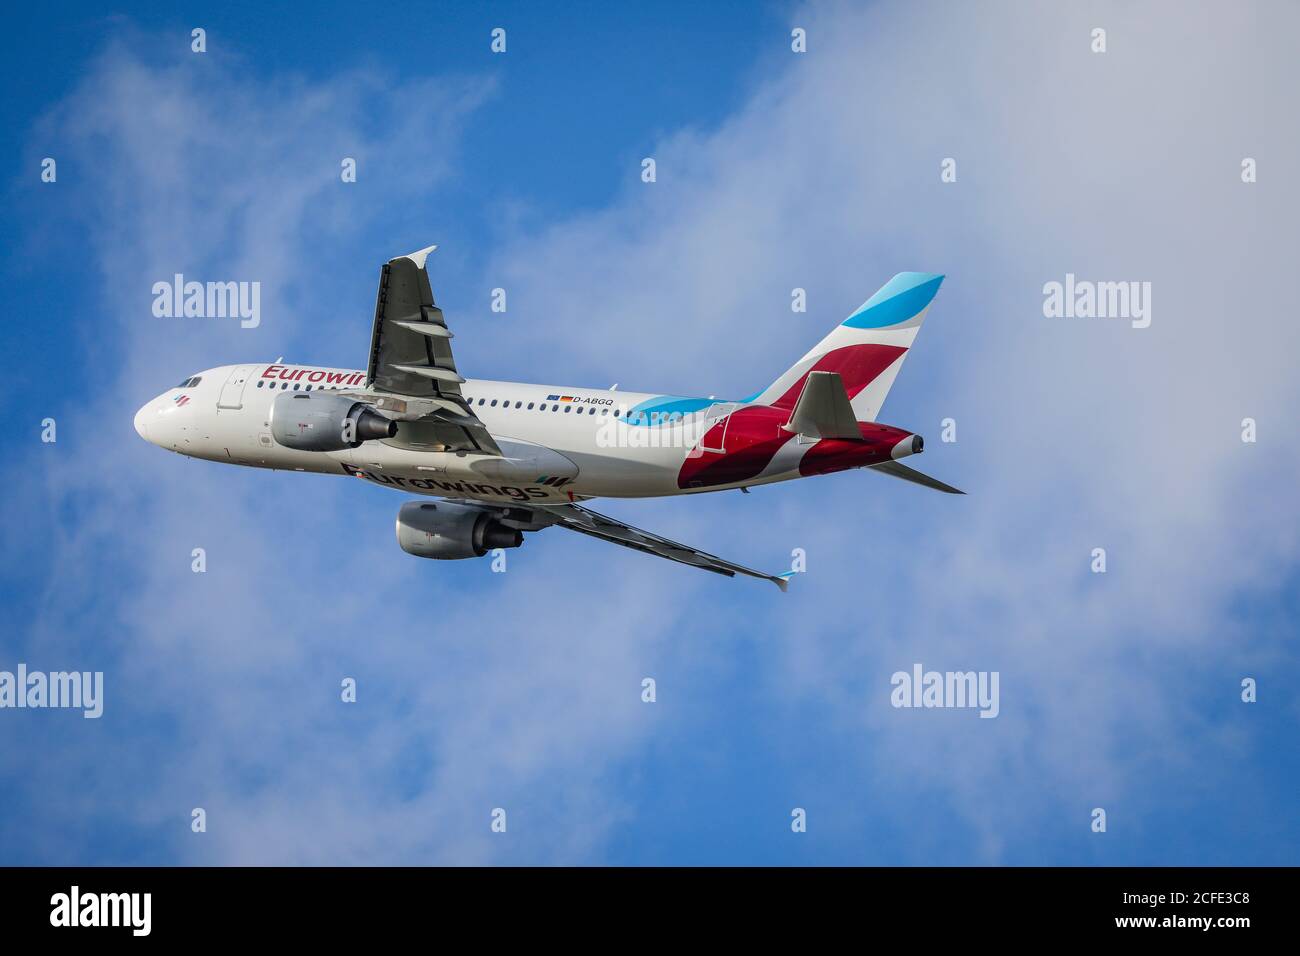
{"type": "Point", "coordinates": [900, 299]}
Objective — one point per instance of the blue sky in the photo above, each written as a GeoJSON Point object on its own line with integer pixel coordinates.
{"type": "Point", "coordinates": [775, 170]}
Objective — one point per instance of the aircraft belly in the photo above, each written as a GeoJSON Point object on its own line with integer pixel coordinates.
{"type": "Point", "coordinates": [527, 473]}
{"type": "Point", "coordinates": [524, 461]}
{"type": "Point", "coordinates": [627, 473]}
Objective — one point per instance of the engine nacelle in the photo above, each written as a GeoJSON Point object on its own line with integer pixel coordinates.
{"type": "Point", "coordinates": [318, 421]}
{"type": "Point", "coordinates": [448, 531]}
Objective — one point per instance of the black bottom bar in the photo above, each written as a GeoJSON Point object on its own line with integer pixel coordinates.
{"type": "Point", "coordinates": [334, 905]}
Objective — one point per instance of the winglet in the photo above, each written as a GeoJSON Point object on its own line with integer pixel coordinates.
{"type": "Point", "coordinates": [419, 257]}
{"type": "Point", "coordinates": [783, 580]}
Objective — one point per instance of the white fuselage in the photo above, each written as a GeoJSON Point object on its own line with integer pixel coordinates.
{"type": "Point", "coordinates": [559, 443]}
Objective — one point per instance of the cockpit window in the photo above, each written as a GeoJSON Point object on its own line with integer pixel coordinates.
{"type": "Point", "coordinates": [190, 382]}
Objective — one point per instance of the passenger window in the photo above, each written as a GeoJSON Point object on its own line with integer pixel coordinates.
{"type": "Point", "coordinates": [530, 406]}
{"type": "Point", "coordinates": [494, 403]}
{"type": "Point", "coordinates": [567, 409]}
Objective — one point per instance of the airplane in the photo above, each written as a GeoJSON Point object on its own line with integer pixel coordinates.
{"type": "Point", "coordinates": [507, 458]}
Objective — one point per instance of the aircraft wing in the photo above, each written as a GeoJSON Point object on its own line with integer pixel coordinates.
{"type": "Point", "coordinates": [585, 521]}
{"type": "Point", "coordinates": [412, 365]}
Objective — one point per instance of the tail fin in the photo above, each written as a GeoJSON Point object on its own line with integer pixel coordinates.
{"type": "Point", "coordinates": [866, 349]}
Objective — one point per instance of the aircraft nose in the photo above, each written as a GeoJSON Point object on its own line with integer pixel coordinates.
{"type": "Point", "coordinates": [140, 428]}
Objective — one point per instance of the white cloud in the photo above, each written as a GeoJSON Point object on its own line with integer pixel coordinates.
{"type": "Point", "coordinates": [223, 688]}
{"type": "Point", "coordinates": [1073, 433]}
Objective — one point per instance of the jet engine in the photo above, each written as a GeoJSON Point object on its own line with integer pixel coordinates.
{"type": "Point", "coordinates": [447, 530]}
{"type": "Point", "coordinates": [318, 421]}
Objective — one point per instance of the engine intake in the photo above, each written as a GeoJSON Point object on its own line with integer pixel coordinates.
{"type": "Point", "coordinates": [317, 421]}
{"type": "Point", "coordinates": [449, 531]}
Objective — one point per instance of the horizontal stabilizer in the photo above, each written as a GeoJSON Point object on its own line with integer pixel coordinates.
{"type": "Point", "coordinates": [899, 470]}
{"type": "Point", "coordinates": [823, 409]}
